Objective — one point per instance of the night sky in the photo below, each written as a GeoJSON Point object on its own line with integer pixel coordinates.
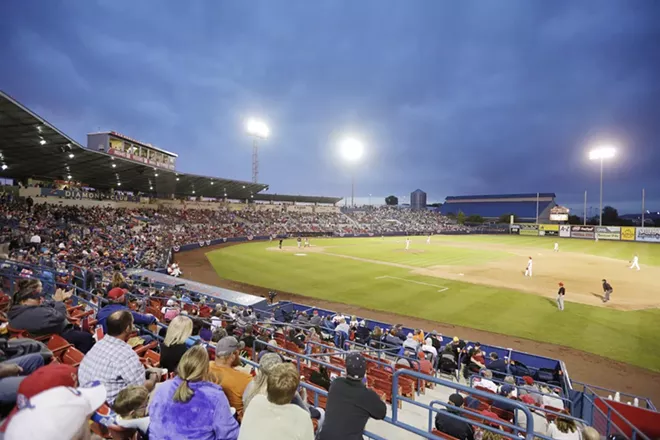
{"type": "Point", "coordinates": [455, 98]}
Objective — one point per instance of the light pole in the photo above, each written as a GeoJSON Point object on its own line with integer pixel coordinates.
{"type": "Point", "coordinates": [369, 199]}
{"type": "Point", "coordinates": [602, 153]}
{"type": "Point", "coordinates": [258, 130]}
{"type": "Point", "coordinates": [352, 150]}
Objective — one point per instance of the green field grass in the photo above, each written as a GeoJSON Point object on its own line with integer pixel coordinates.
{"type": "Point", "coordinates": [623, 336]}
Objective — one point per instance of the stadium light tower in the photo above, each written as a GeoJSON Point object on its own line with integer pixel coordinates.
{"type": "Point", "coordinates": [258, 130]}
{"type": "Point", "coordinates": [352, 150]}
{"type": "Point", "coordinates": [601, 153]}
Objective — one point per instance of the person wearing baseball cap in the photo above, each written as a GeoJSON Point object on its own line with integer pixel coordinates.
{"type": "Point", "coordinates": [60, 413]}
{"type": "Point", "coordinates": [447, 421]}
{"type": "Point", "coordinates": [44, 378]}
{"type": "Point", "coordinates": [118, 300]}
{"type": "Point", "coordinates": [350, 403]}
{"type": "Point", "coordinates": [232, 381]}
{"type": "Point", "coordinates": [560, 296]}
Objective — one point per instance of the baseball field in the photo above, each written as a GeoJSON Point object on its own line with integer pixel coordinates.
{"type": "Point", "coordinates": [476, 282]}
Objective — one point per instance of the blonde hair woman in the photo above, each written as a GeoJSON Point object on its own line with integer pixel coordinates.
{"type": "Point", "coordinates": [564, 428]}
{"type": "Point", "coordinates": [190, 406]}
{"type": "Point", "coordinates": [118, 280]}
{"type": "Point", "coordinates": [174, 346]}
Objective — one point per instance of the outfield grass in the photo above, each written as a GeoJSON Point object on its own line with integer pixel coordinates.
{"type": "Point", "coordinates": [624, 336]}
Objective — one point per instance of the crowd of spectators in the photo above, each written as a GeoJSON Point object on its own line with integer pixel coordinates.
{"type": "Point", "coordinates": [388, 219]}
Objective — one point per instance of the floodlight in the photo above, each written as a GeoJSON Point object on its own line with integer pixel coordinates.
{"type": "Point", "coordinates": [68, 177]}
{"type": "Point", "coordinates": [114, 165]}
{"type": "Point", "coordinates": [71, 156]}
{"type": "Point", "coordinates": [42, 141]}
{"type": "Point", "coordinates": [604, 152]}
{"type": "Point", "coordinates": [351, 149]}
{"type": "Point", "coordinates": [257, 128]}
{"type": "Point", "coordinates": [4, 166]}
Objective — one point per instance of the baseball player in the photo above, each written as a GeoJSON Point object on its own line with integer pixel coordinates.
{"type": "Point", "coordinates": [556, 247]}
{"type": "Point", "coordinates": [607, 289]}
{"type": "Point", "coordinates": [428, 239]}
{"type": "Point", "coordinates": [635, 262]}
{"type": "Point", "coordinates": [299, 242]}
{"type": "Point", "coordinates": [407, 243]}
{"type": "Point", "coordinates": [560, 296]}
{"type": "Point", "coordinates": [306, 242]}
{"type": "Point", "coordinates": [281, 243]}
{"type": "Point", "coordinates": [528, 271]}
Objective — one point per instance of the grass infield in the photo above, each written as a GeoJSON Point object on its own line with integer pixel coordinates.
{"type": "Point", "coordinates": [335, 270]}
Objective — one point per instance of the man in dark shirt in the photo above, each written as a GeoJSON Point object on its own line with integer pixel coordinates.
{"type": "Point", "coordinates": [506, 405]}
{"type": "Point", "coordinates": [560, 296]}
{"type": "Point", "coordinates": [461, 429]}
{"type": "Point", "coordinates": [350, 403]}
{"type": "Point", "coordinates": [607, 289]}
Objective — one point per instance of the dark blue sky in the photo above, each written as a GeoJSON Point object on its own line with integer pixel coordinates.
{"type": "Point", "coordinates": [452, 97]}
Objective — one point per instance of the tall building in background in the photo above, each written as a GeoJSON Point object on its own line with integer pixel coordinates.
{"type": "Point", "coordinates": [418, 199]}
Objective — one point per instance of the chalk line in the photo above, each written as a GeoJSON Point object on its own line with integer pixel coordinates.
{"type": "Point", "coordinates": [442, 288]}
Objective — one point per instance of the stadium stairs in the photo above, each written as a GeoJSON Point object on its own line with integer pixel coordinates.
{"type": "Point", "coordinates": [413, 398]}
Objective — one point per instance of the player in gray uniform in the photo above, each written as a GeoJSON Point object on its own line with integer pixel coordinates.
{"type": "Point", "coordinates": [607, 289]}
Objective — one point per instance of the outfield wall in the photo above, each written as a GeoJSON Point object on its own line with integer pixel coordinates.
{"type": "Point", "coordinates": [589, 232]}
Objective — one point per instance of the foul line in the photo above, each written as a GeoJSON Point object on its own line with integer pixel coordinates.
{"type": "Point", "coordinates": [442, 288]}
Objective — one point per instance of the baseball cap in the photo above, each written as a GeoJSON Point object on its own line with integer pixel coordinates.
{"type": "Point", "coordinates": [506, 389]}
{"type": "Point", "coordinates": [42, 379]}
{"type": "Point", "coordinates": [455, 339]}
{"type": "Point", "coordinates": [356, 366]}
{"type": "Point", "coordinates": [228, 345]}
{"type": "Point", "coordinates": [116, 293]}
{"type": "Point", "coordinates": [55, 414]}
{"type": "Point", "coordinates": [528, 380]}
{"type": "Point", "coordinates": [456, 399]}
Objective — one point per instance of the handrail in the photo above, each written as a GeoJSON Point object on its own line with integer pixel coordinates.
{"type": "Point", "coordinates": [529, 429]}
{"type": "Point", "coordinates": [498, 381]}
{"type": "Point", "coordinates": [646, 400]}
{"type": "Point", "coordinates": [611, 410]}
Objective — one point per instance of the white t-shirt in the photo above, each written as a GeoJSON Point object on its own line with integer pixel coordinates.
{"type": "Point", "coordinates": [35, 239]}
{"type": "Point", "coordinates": [265, 420]}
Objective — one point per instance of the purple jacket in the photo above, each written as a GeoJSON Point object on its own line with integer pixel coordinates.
{"type": "Point", "coordinates": [204, 417]}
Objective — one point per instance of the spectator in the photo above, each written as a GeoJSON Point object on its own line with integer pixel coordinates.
{"type": "Point", "coordinates": [248, 338]}
{"type": "Point", "coordinates": [117, 297]}
{"type": "Point", "coordinates": [530, 388]}
{"type": "Point", "coordinates": [428, 347]}
{"type": "Point", "coordinates": [118, 281]}
{"type": "Point", "coordinates": [30, 312]}
{"type": "Point", "coordinates": [486, 381]}
{"type": "Point", "coordinates": [112, 361]}
{"type": "Point", "coordinates": [497, 364]}
{"type": "Point", "coordinates": [189, 406]}
{"type": "Point", "coordinates": [506, 404]}
{"type": "Point", "coordinates": [233, 381]}
{"type": "Point", "coordinates": [362, 334]}
{"type": "Point", "coordinates": [563, 428]}
{"type": "Point", "coordinates": [60, 413]}
{"type": "Point", "coordinates": [321, 378]}
{"type": "Point", "coordinates": [425, 366]}
{"type": "Point", "coordinates": [274, 416]}
{"type": "Point", "coordinates": [410, 343]}
{"type": "Point", "coordinates": [350, 403]}
{"type": "Point", "coordinates": [315, 319]}
{"type": "Point", "coordinates": [436, 341]}
{"type": "Point", "coordinates": [419, 336]}
{"type": "Point", "coordinates": [590, 433]}
{"type": "Point", "coordinates": [130, 407]}
{"type": "Point", "coordinates": [453, 426]}
{"type": "Point", "coordinates": [174, 345]}
{"type": "Point", "coordinates": [12, 374]}
{"type": "Point", "coordinates": [509, 380]}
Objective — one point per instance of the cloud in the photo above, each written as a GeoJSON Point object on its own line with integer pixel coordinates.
{"type": "Point", "coordinates": [454, 98]}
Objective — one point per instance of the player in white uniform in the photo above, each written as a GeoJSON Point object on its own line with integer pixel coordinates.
{"type": "Point", "coordinates": [407, 243]}
{"type": "Point", "coordinates": [556, 247]}
{"type": "Point", "coordinates": [299, 242]}
{"type": "Point", "coordinates": [528, 271]}
{"type": "Point", "coordinates": [635, 262]}
{"type": "Point", "coordinates": [428, 239]}
{"type": "Point", "coordinates": [306, 242]}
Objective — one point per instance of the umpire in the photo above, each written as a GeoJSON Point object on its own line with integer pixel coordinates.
{"type": "Point", "coordinates": [607, 289]}
{"type": "Point", "coordinates": [560, 296]}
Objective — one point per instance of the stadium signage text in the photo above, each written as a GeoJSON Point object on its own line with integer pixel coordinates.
{"type": "Point", "coordinates": [648, 234]}
{"type": "Point", "coordinates": [583, 231]}
{"type": "Point", "coordinates": [68, 194]}
{"type": "Point", "coordinates": [559, 214]}
{"type": "Point", "coordinates": [608, 232]}
{"type": "Point", "coordinates": [529, 229]}
{"type": "Point", "coordinates": [628, 233]}
{"type": "Point", "coordinates": [565, 231]}
{"type": "Point", "coordinates": [546, 230]}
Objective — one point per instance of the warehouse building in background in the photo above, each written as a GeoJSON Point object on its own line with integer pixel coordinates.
{"type": "Point", "coordinates": [525, 207]}
{"type": "Point", "coordinates": [417, 199]}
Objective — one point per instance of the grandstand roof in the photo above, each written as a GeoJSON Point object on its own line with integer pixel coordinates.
{"type": "Point", "coordinates": [502, 196]}
{"type": "Point", "coordinates": [298, 199]}
{"type": "Point", "coordinates": [32, 147]}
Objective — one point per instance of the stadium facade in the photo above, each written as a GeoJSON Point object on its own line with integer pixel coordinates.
{"type": "Point", "coordinates": [525, 207]}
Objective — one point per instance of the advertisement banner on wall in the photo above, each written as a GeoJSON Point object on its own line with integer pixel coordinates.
{"type": "Point", "coordinates": [552, 230]}
{"type": "Point", "coordinates": [628, 233]}
{"type": "Point", "coordinates": [608, 232]}
{"type": "Point", "coordinates": [648, 234]}
{"type": "Point", "coordinates": [529, 230]}
{"type": "Point", "coordinates": [583, 231]}
{"type": "Point", "coordinates": [515, 229]}
{"type": "Point", "coordinates": [565, 231]}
